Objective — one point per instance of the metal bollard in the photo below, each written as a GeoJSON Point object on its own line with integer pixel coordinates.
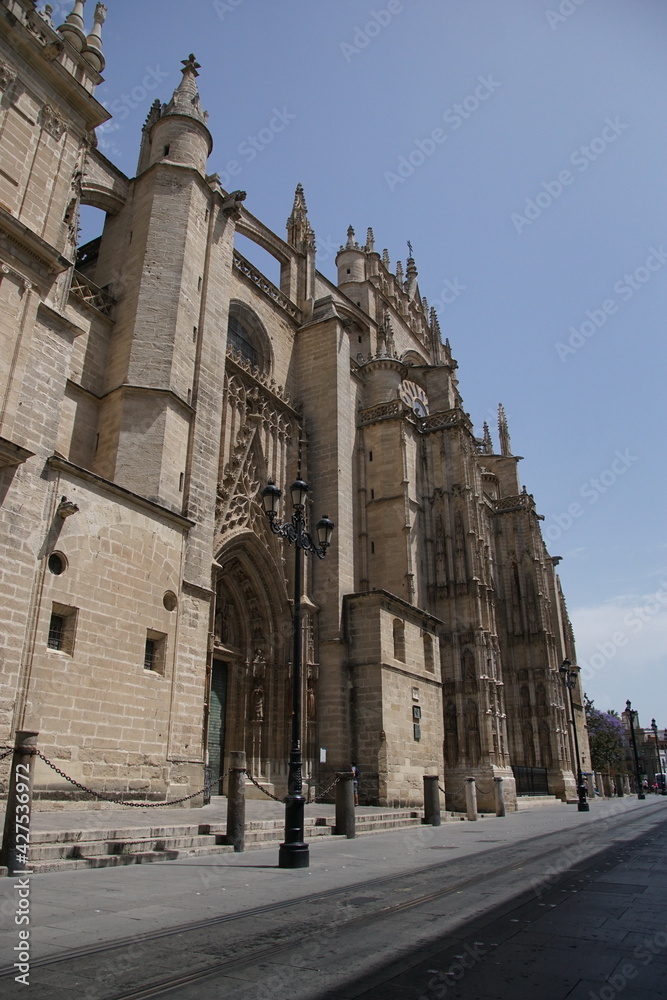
{"type": "Point", "coordinates": [471, 799]}
{"type": "Point", "coordinates": [236, 801]}
{"type": "Point", "coordinates": [432, 800]}
{"type": "Point", "coordinates": [345, 818]}
{"type": "Point", "coordinates": [16, 834]}
{"type": "Point", "coordinates": [499, 796]}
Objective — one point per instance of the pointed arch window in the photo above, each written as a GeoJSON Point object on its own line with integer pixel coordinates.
{"type": "Point", "coordinates": [399, 640]}
{"type": "Point", "coordinates": [246, 337]}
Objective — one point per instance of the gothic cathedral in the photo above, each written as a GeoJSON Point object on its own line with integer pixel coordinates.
{"type": "Point", "coordinates": [152, 382]}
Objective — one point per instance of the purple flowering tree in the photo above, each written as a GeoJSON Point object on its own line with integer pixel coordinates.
{"type": "Point", "coordinates": [606, 733]}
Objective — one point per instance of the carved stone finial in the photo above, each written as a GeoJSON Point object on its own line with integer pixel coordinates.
{"type": "Point", "coordinates": [385, 258]}
{"type": "Point", "coordinates": [153, 115]}
{"type": "Point", "coordinates": [300, 233]}
{"type": "Point", "coordinates": [488, 443]}
{"type": "Point", "coordinates": [435, 323]}
{"type": "Point", "coordinates": [399, 272]}
{"type": "Point", "coordinates": [92, 51]}
{"type": "Point", "coordinates": [72, 29]}
{"type": "Point", "coordinates": [351, 242]}
{"type": "Point", "coordinates": [370, 240]}
{"type": "Point", "coordinates": [503, 432]}
{"type": "Point", "coordinates": [46, 15]}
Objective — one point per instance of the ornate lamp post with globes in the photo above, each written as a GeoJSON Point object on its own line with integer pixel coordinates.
{"type": "Point", "coordinates": [654, 727]}
{"type": "Point", "coordinates": [631, 714]}
{"type": "Point", "coordinates": [294, 851]}
{"type": "Point", "coordinates": [570, 676]}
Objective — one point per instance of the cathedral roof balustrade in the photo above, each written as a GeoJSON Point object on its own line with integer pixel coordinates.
{"type": "Point", "coordinates": [87, 291]}
{"type": "Point", "coordinates": [446, 418]}
{"type": "Point", "coordinates": [384, 411]}
{"type": "Point", "coordinates": [258, 279]}
{"type": "Point", "coordinates": [524, 501]}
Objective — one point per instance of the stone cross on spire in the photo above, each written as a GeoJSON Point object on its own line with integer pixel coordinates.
{"type": "Point", "coordinates": [190, 64]}
{"type": "Point", "coordinates": [185, 100]}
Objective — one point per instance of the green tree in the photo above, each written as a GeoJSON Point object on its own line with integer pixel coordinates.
{"type": "Point", "coordinates": [605, 738]}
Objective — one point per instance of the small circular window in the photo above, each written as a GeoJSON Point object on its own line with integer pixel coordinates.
{"type": "Point", "coordinates": [57, 563]}
{"type": "Point", "coordinates": [170, 600]}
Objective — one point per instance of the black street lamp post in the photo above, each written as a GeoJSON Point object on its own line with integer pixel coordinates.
{"type": "Point", "coordinates": [294, 852]}
{"type": "Point", "coordinates": [569, 675]}
{"type": "Point", "coordinates": [631, 714]}
{"type": "Point", "coordinates": [654, 727]}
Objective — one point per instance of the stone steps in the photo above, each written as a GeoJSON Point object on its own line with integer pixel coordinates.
{"type": "Point", "coordinates": [58, 850]}
{"type": "Point", "coordinates": [537, 801]}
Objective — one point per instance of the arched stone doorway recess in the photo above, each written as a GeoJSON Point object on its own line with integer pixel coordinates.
{"type": "Point", "coordinates": [252, 632]}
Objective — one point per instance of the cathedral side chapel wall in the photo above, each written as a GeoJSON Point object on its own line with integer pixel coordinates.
{"type": "Point", "coordinates": [97, 707]}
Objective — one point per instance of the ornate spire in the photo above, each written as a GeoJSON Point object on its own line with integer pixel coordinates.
{"type": "Point", "coordinates": [411, 276]}
{"type": "Point", "coordinates": [185, 100]}
{"type": "Point", "coordinates": [72, 30]}
{"type": "Point", "coordinates": [435, 324]}
{"type": "Point", "coordinates": [399, 273]}
{"type": "Point", "coordinates": [385, 258]}
{"type": "Point", "coordinates": [92, 51]}
{"type": "Point", "coordinates": [503, 433]}
{"type": "Point", "coordinates": [300, 234]}
{"type": "Point", "coordinates": [370, 240]}
{"type": "Point", "coordinates": [488, 443]}
{"type": "Point", "coordinates": [351, 242]}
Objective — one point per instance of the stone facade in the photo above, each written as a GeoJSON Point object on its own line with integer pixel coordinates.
{"type": "Point", "coordinates": [151, 384]}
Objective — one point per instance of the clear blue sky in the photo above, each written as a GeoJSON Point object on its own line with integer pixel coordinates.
{"type": "Point", "coordinates": [532, 145]}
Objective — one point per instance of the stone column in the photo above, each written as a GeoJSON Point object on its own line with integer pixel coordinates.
{"type": "Point", "coordinates": [345, 819]}
{"type": "Point", "coordinates": [471, 799]}
{"type": "Point", "coordinates": [432, 800]}
{"type": "Point", "coordinates": [499, 796]}
{"type": "Point", "coordinates": [236, 801]}
{"type": "Point", "coordinates": [16, 834]}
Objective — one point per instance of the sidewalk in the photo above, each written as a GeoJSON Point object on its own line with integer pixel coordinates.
{"type": "Point", "coordinates": [85, 907]}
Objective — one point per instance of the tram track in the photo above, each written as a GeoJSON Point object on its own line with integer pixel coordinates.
{"type": "Point", "coordinates": [308, 916]}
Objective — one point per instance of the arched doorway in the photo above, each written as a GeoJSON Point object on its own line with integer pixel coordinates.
{"type": "Point", "coordinates": [249, 692]}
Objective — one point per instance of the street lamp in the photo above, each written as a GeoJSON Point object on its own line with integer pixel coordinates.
{"type": "Point", "coordinates": [294, 852]}
{"type": "Point", "coordinates": [654, 727]}
{"type": "Point", "coordinates": [570, 675]}
{"type": "Point", "coordinates": [631, 715]}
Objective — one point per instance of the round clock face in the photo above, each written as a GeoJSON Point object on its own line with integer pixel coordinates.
{"type": "Point", "coordinates": [414, 397]}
